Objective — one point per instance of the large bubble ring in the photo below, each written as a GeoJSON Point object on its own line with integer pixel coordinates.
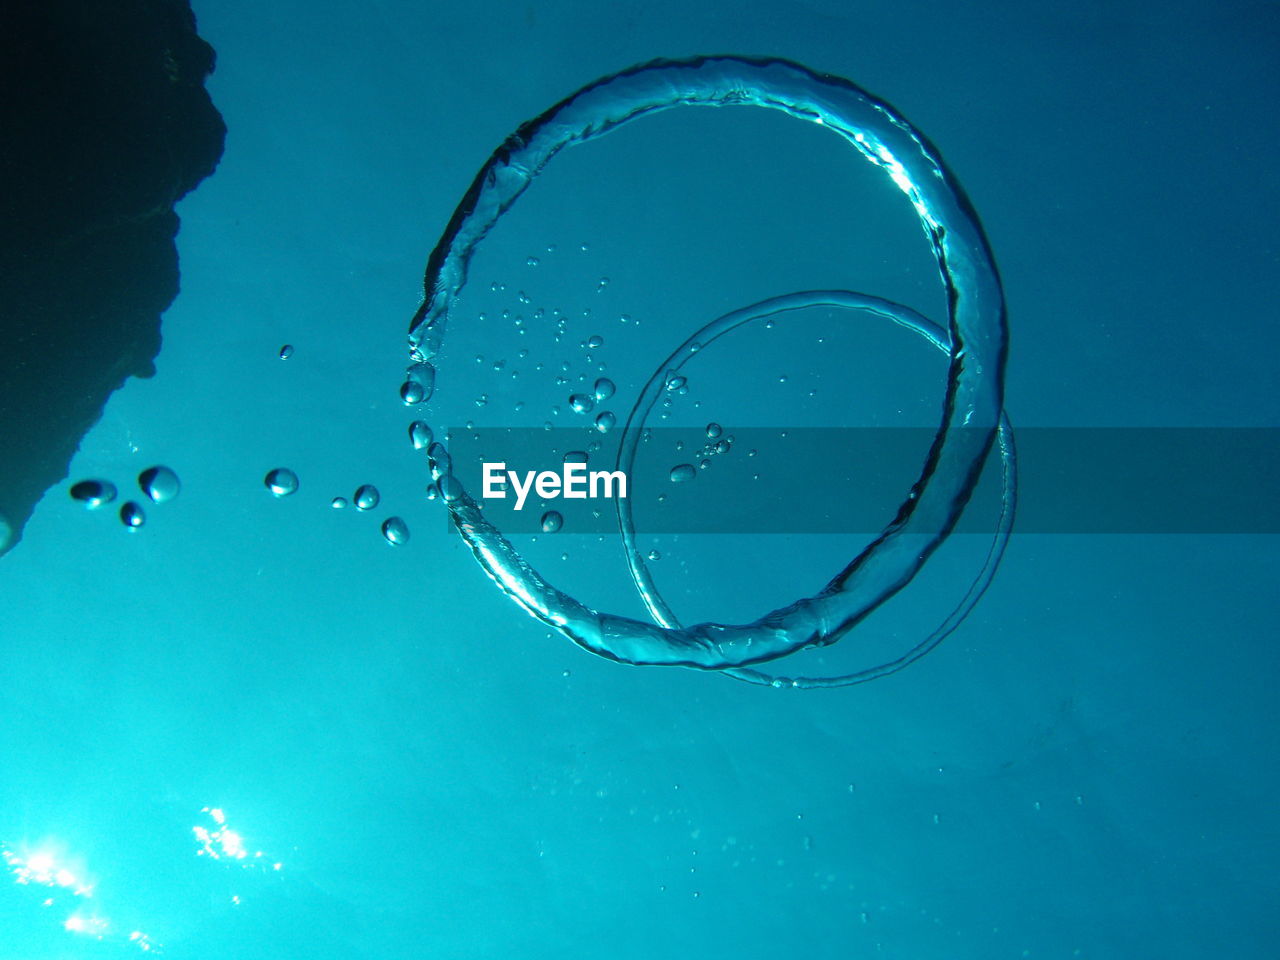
{"type": "Point", "coordinates": [976, 341]}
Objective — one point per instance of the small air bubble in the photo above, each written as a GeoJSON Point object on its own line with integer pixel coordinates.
{"type": "Point", "coordinates": [94, 493]}
{"type": "Point", "coordinates": [420, 434]}
{"type": "Point", "coordinates": [132, 515]}
{"type": "Point", "coordinates": [395, 531]}
{"type": "Point", "coordinates": [160, 484]}
{"type": "Point", "coordinates": [282, 482]}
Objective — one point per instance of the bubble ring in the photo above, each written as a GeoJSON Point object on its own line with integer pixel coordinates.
{"type": "Point", "coordinates": [977, 341]}
{"type": "Point", "coordinates": [633, 431]}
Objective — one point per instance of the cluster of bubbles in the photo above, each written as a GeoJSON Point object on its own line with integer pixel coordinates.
{"type": "Point", "coordinates": [590, 390]}
{"type": "Point", "coordinates": [717, 444]}
{"type": "Point", "coordinates": [160, 485]}
{"type": "Point", "coordinates": [282, 482]}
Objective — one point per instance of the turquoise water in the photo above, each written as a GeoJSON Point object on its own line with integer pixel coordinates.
{"type": "Point", "coordinates": [1084, 768]}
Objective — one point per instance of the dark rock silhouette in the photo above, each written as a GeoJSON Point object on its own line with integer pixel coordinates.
{"type": "Point", "coordinates": [106, 125]}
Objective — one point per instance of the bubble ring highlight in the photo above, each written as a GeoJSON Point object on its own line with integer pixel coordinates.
{"type": "Point", "coordinates": [653, 391]}
{"type": "Point", "coordinates": [976, 327]}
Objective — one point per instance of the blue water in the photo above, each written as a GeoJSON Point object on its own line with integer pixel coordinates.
{"type": "Point", "coordinates": [1085, 768]}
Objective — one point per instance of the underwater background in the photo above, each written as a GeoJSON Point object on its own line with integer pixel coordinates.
{"type": "Point", "coordinates": [1086, 768]}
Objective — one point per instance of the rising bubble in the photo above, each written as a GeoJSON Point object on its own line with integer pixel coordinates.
{"type": "Point", "coordinates": [682, 473]}
{"type": "Point", "coordinates": [396, 531]}
{"type": "Point", "coordinates": [552, 522]}
{"type": "Point", "coordinates": [159, 483]}
{"type": "Point", "coordinates": [419, 383]}
{"type": "Point", "coordinates": [420, 434]}
{"type": "Point", "coordinates": [94, 493]}
{"type": "Point", "coordinates": [132, 515]}
{"type": "Point", "coordinates": [286, 351]}
{"type": "Point", "coordinates": [605, 422]}
{"type": "Point", "coordinates": [367, 497]}
{"type": "Point", "coordinates": [451, 490]}
{"type": "Point", "coordinates": [604, 388]}
{"type": "Point", "coordinates": [581, 403]}
{"type": "Point", "coordinates": [282, 482]}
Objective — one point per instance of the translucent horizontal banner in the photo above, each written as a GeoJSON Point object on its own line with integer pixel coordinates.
{"type": "Point", "coordinates": [722, 479]}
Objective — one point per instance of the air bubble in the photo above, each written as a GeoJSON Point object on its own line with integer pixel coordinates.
{"type": "Point", "coordinates": [160, 484]}
{"type": "Point", "coordinates": [595, 342]}
{"type": "Point", "coordinates": [581, 403]}
{"type": "Point", "coordinates": [420, 434]}
{"type": "Point", "coordinates": [552, 521]}
{"type": "Point", "coordinates": [683, 473]}
{"type": "Point", "coordinates": [395, 531]}
{"type": "Point", "coordinates": [367, 497]}
{"type": "Point", "coordinates": [605, 422]}
{"type": "Point", "coordinates": [132, 515]}
{"type": "Point", "coordinates": [655, 555]}
{"type": "Point", "coordinates": [676, 383]}
{"type": "Point", "coordinates": [281, 482]}
{"type": "Point", "coordinates": [575, 456]}
{"type": "Point", "coordinates": [94, 493]}
{"type": "Point", "coordinates": [714, 430]}
{"type": "Point", "coordinates": [419, 383]}
{"type": "Point", "coordinates": [604, 388]}
{"type": "Point", "coordinates": [450, 489]}
{"type": "Point", "coordinates": [532, 262]}
{"type": "Point", "coordinates": [286, 351]}
{"type": "Point", "coordinates": [338, 503]}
